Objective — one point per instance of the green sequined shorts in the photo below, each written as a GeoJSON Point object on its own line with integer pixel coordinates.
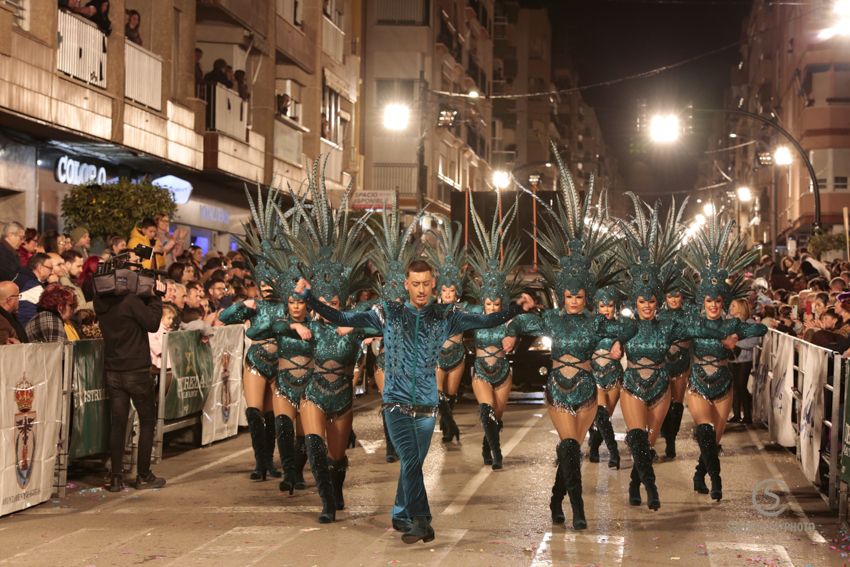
{"type": "Point", "coordinates": [571, 394]}
{"type": "Point", "coordinates": [495, 374]}
{"type": "Point", "coordinates": [333, 397]}
{"type": "Point", "coordinates": [713, 387]}
{"type": "Point", "coordinates": [648, 390]}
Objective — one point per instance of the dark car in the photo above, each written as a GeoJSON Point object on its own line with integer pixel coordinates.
{"type": "Point", "coordinates": [531, 359]}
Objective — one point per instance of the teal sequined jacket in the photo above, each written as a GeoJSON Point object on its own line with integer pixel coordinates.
{"type": "Point", "coordinates": [412, 341]}
{"type": "Point", "coordinates": [261, 331]}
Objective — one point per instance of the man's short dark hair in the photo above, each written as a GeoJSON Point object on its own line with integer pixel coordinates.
{"type": "Point", "coordinates": [238, 265]}
{"type": "Point", "coordinates": [213, 264]}
{"type": "Point", "coordinates": [419, 266]}
{"type": "Point", "coordinates": [71, 255]}
{"type": "Point", "coordinates": [194, 284]}
{"type": "Point", "coordinates": [37, 260]}
{"type": "Point", "coordinates": [147, 222]}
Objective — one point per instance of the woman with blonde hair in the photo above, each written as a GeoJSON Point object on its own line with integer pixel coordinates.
{"type": "Point", "coordinates": [741, 366]}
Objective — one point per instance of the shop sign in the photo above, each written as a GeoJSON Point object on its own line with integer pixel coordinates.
{"type": "Point", "coordinates": [73, 172]}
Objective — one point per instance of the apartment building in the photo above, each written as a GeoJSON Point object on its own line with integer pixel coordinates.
{"type": "Point", "coordinates": [79, 105]}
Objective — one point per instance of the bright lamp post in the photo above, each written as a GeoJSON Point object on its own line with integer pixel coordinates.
{"type": "Point", "coordinates": [782, 156]}
{"type": "Point", "coordinates": [841, 26]}
{"type": "Point", "coordinates": [501, 179]}
{"type": "Point", "coordinates": [664, 128]}
{"type": "Point", "coordinates": [396, 117]}
{"type": "Point", "coordinates": [745, 195]}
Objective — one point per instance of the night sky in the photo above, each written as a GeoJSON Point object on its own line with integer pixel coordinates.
{"type": "Point", "coordinates": [609, 39]}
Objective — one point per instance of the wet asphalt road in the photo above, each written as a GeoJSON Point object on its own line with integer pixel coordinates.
{"type": "Point", "coordinates": [211, 514]}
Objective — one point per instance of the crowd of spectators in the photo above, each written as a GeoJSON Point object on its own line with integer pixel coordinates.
{"type": "Point", "coordinates": [47, 281]}
{"type": "Point", "coordinates": [222, 73]}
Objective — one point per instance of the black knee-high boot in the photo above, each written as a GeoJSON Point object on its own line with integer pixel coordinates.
{"type": "Point", "coordinates": [638, 442]}
{"type": "Point", "coordinates": [337, 470]}
{"type": "Point", "coordinates": [699, 477]}
{"type": "Point", "coordinates": [634, 487]}
{"type": "Point", "coordinates": [317, 452]}
{"type": "Point", "coordinates": [707, 441]}
{"type": "Point", "coordinates": [556, 502]}
{"type": "Point", "coordinates": [258, 442]}
{"type": "Point", "coordinates": [594, 439]}
{"type": "Point", "coordinates": [491, 433]}
{"type": "Point", "coordinates": [606, 428]}
{"type": "Point", "coordinates": [670, 427]}
{"type": "Point", "coordinates": [392, 456]}
{"type": "Point", "coordinates": [447, 420]}
{"type": "Point", "coordinates": [285, 430]}
{"type": "Point", "coordinates": [569, 455]}
{"type": "Point", "coordinates": [271, 437]}
{"type": "Point", "coordinates": [300, 461]}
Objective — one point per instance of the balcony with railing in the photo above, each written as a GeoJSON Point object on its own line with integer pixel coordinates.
{"type": "Point", "coordinates": [399, 177]}
{"type": "Point", "coordinates": [82, 50]}
{"type": "Point", "coordinates": [333, 39]}
{"type": "Point", "coordinates": [291, 40]}
{"type": "Point", "coordinates": [142, 75]}
{"type": "Point", "coordinates": [402, 12]}
{"type": "Point", "coordinates": [448, 38]}
{"type": "Point", "coordinates": [289, 141]}
{"type": "Point", "coordinates": [226, 112]}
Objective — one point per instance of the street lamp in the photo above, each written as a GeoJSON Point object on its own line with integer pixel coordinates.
{"type": "Point", "coordinates": [782, 156]}
{"type": "Point", "coordinates": [841, 10]}
{"type": "Point", "coordinates": [501, 179]}
{"type": "Point", "coordinates": [708, 209]}
{"type": "Point", "coordinates": [396, 117]}
{"type": "Point", "coordinates": [744, 194]}
{"type": "Point", "coordinates": [664, 128]}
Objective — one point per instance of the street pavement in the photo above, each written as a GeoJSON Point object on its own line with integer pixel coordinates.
{"type": "Point", "coordinates": [211, 514]}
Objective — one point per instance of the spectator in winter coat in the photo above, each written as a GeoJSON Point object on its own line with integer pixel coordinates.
{"type": "Point", "coordinates": [52, 323]}
{"type": "Point", "coordinates": [11, 330]}
{"type": "Point", "coordinates": [10, 264]}
{"type": "Point", "coordinates": [31, 281]}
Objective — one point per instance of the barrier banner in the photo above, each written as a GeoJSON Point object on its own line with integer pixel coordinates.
{"type": "Point", "coordinates": [224, 407]}
{"type": "Point", "coordinates": [813, 363]}
{"type": "Point", "coordinates": [90, 422]}
{"type": "Point", "coordinates": [191, 363]}
{"type": "Point", "coordinates": [30, 422]}
{"type": "Point", "coordinates": [845, 431]}
{"type": "Point", "coordinates": [761, 380]}
{"type": "Point", "coordinates": [780, 425]}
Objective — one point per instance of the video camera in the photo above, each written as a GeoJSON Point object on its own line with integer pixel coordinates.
{"type": "Point", "coordinates": [121, 276]}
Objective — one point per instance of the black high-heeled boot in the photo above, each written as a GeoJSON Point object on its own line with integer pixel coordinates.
{"type": "Point", "coordinates": [447, 420]}
{"type": "Point", "coordinates": [556, 502]}
{"type": "Point", "coordinates": [699, 477]}
{"type": "Point", "coordinates": [606, 428]}
{"type": "Point", "coordinates": [707, 441]}
{"type": "Point", "coordinates": [300, 461]}
{"type": "Point", "coordinates": [258, 442]}
{"type": "Point", "coordinates": [634, 487]}
{"type": "Point", "coordinates": [569, 455]}
{"type": "Point", "coordinates": [337, 470]}
{"type": "Point", "coordinates": [271, 437]}
{"type": "Point", "coordinates": [317, 452]}
{"type": "Point", "coordinates": [491, 432]}
{"type": "Point", "coordinates": [638, 442]}
{"type": "Point", "coordinates": [594, 439]}
{"type": "Point", "coordinates": [673, 421]}
{"type": "Point", "coordinates": [486, 454]}
{"type": "Point", "coordinates": [392, 456]}
{"type": "Point", "coordinates": [285, 430]}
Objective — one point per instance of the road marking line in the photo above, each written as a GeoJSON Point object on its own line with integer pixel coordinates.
{"type": "Point", "coordinates": [471, 487]}
{"type": "Point", "coordinates": [590, 542]}
{"type": "Point", "coordinates": [257, 542]}
{"type": "Point", "coordinates": [41, 546]}
{"type": "Point", "coordinates": [722, 554]}
{"type": "Point", "coordinates": [813, 535]}
{"type": "Point", "coordinates": [389, 544]}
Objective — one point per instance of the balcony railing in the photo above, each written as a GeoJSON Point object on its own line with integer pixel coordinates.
{"type": "Point", "coordinates": [333, 166]}
{"type": "Point", "coordinates": [333, 39]}
{"type": "Point", "coordinates": [226, 112]}
{"type": "Point", "coordinates": [402, 12]}
{"type": "Point", "coordinates": [399, 177]}
{"type": "Point", "coordinates": [449, 38]}
{"type": "Point", "coordinates": [142, 75]}
{"type": "Point", "coordinates": [82, 50]}
{"type": "Point", "coordinates": [288, 141]}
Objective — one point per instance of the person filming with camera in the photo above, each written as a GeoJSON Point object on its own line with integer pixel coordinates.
{"type": "Point", "coordinates": [129, 306]}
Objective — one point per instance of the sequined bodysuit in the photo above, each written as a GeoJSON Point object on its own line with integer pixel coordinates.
{"type": "Point", "coordinates": [295, 361]}
{"type": "Point", "coordinates": [607, 371]}
{"type": "Point", "coordinates": [710, 375]}
{"type": "Point", "coordinates": [262, 355]}
{"type": "Point", "coordinates": [646, 344]}
{"type": "Point", "coordinates": [453, 352]}
{"type": "Point", "coordinates": [679, 356]}
{"type": "Point", "coordinates": [570, 386]}
{"type": "Point", "coordinates": [491, 366]}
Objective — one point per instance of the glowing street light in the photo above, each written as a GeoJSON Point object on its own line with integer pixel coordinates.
{"type": "Point", "coordinates": [745, 195]}
{"type": "Point", "coordinates": [700, 219]}
{"type": "Point", "coordinates": [783, 156]}
{"type": "Point", "coordinates": [841, 11]}
{"type": "Point", "coordinates": [664, 128]}
{"type": "Point", "coordinates": [396, 117]}
{"type": "Point", "coordinates": [708, 209]}
{"type": "Point", "coordinates": [501, 179]}
{"type": "Point", "coordinates": [473, 93]}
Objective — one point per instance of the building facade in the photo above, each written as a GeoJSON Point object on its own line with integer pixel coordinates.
{"type": "Point", "coordinates": [77, 97]}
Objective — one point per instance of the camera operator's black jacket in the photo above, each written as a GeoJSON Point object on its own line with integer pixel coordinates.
{"type": "Point", "coordinates": [125, 321]}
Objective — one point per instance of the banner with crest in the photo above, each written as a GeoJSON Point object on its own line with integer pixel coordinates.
{"type": "Point", "coordinates": [191, 362]}
{"type": "Point", "coordinates": [30, 423]}
{"type": "Point", "coordinates": [223, 406]}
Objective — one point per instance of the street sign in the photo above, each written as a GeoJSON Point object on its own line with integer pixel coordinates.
{"type": "Point", "coordinates": [377, 200]}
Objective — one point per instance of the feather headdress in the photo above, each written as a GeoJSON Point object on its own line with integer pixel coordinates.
{"type": "Point", "coordinates": [720, 258]}
{"type": "Point", "coordinates": [394, 250]}
{"type": "Point", "coordinates": [577, 240]}
{"type": "Point", "coordinates": [449, 256]}
{"type": "Point", "coordinates": [495, 255]}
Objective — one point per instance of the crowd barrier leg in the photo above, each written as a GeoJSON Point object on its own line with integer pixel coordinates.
{"type": "Point", "coordinates": [60, 482]}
